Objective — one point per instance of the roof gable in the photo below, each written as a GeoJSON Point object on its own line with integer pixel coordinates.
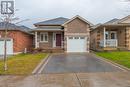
{"type": "Point", "coordinates": [80, 19]}
{"type": "Point", "coordinates": [125, 20]}
{"type": "Point", "coordinates": [116, 22]}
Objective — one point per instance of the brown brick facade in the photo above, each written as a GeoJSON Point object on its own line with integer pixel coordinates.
{"type": "Point", "coordinates": [77, 27]}
{"type": "Point", "coordinates": [21, 40]}
{"type": "Point", "coordinates": [49, 44]}
{"type": "Point", "coordinates": [46, 45]}
{"type": "Point", "coordinates": [128, 37]}
{"type": "Point", "coordinates": [94, 40]}
{"type": "Point", "coordinates": [123, 37]}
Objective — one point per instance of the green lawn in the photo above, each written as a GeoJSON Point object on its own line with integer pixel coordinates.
{"type": "Point", "coordinates": [22, 63]}
{"type": "Point", "coordinates": [122, 58]}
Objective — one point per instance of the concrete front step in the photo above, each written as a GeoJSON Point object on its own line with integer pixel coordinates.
{"type": "Point", "coordinates": [54, 50]}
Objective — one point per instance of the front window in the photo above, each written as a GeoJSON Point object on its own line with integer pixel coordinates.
{"type": "Point", "coordinates": [107, 35]}
{"type": "Point", "coordinates": [113, 35]}
{"type": "Point", "coordinates": [43, 37]}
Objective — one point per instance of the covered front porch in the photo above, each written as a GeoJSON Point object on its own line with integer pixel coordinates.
{"type": "Point", "coordinates": [113, 37]}
{"type": "Point", "coordinates": [49, 40]}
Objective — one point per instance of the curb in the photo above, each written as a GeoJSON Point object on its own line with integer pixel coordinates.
{"type": "Point", "coordinates": [35, 71]}
{"type": "Point", "coordinates": [42, 67]}
{"type": "Point", "coordinates": [109, 61]}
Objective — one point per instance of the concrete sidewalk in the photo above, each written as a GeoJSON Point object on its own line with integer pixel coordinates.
{"type": "Point", "coordinates": [114, 79]}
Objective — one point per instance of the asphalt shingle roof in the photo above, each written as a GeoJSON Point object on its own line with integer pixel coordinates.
{"type": "Point", "coordinates": [113, 21]}
{"type": "Point", "coordinates": [95, 26]}
{"type": "Point", "coordinates": [56, 21]}
{"type": "Point", "coordinates": [11, 26]}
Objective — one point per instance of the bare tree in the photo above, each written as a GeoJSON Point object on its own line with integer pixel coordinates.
{"type": "Point", "coordinates": [6, 18]}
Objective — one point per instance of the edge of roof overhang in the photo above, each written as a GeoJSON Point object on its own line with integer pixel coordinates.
{"type": "Point", "coordinates": [11, 29]}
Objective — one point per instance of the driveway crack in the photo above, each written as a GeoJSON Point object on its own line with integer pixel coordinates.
{"type": "Point", "coordinates": [78, 80]}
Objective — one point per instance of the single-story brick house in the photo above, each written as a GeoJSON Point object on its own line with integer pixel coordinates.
{"type": "Point", "coordinates": [18, 38]}
{"type": "Point", "coordinates": [112, 35]}
{"type": "Point", "coordinates": [69, 35]}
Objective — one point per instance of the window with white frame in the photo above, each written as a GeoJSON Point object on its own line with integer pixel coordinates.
{"type": "Point", "coordinates": [113, 35]}
{"type": "Point", "coordinates": [43, 37]}
{"type": "Point", "coordinates": [107, 34]}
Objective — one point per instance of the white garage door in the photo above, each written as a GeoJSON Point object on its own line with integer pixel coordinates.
{"type": "Point", "coordinates": [76, 44]}
{"type": "Point", "coordinates": [9, 47]}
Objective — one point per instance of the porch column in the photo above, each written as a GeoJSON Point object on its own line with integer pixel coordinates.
{"type": "Point", "coordinates": [104, 37]}
{"type": "Point", "coordinates": [62, 41]}
{"type": "Point", "coordinates": [36, 43]}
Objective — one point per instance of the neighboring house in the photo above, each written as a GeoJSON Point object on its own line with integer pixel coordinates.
{"type": "Point", "coordinates": [112, 35]}
{"type": "Point", "coordinates": [18, 38]}
{"type": "Point", "coordinates": [69, 35]}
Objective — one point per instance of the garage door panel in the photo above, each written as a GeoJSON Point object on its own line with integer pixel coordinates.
{"type": "Point", "coordinates": [76, 45]}
{"type": "Point", "coordinates": [2, 47]}
{"type": "Point", "coordinates": [9, 47]}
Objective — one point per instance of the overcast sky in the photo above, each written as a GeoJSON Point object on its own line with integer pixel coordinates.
{"type": "Point", "coordinates": [95, 11]}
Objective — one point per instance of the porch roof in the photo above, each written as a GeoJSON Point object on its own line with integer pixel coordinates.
{"type": "Point", "coordinates": [115, 23]}
{"type": "Point", "coordinates": [112, 26]}
{"type": "Point", "coordinates": [47, 29]}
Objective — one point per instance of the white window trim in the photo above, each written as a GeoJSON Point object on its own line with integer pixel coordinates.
{"type": "Point", "coordinates": [44, 37]}
{"type": "Point", "coordinates": [114, 33]}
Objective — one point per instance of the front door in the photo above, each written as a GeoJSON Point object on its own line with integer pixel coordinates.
{"type": "Point", "coordinates": [58, 39]}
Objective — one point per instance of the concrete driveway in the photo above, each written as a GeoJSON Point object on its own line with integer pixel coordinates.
{"type": "Point", "coordinates": [97, 73]}
{"type": "Point", "coordinates": [77, 63]}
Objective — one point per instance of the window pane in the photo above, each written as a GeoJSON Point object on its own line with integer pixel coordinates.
{"type": "Point", "coordinates": [70, 37]}
{"type": "Point", "coordinates": [82, 37]}
{"type": "Point", "coordinates": [46, 38]}
{"type": "Point", "coordinates": [107, 35]}
{"type": "Point", "coordinates": [113, 36]}
{"type": "Point", "coordinates": [76, 37]}
{"type": "Point", "coordinates": [41, 37]}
